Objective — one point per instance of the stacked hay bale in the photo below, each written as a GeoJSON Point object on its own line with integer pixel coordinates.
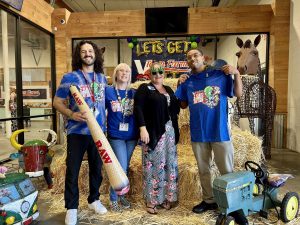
{"type": "Point", "coordinates": [247, 147]}
{"type": "Point", "coordinates": [184, 126]}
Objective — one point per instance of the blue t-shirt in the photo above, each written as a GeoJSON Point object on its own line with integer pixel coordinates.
{"type": "Point", "coordinates": [115, 115]}
{"type": "Point", "coordinates": [87, 89]}
{"type": "Point", "coordinates": [206, 94]}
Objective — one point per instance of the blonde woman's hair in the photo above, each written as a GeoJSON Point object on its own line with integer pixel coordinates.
{"type": "Point", "coordinates": [117, 68]}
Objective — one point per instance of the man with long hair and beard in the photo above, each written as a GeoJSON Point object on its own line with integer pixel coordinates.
{"type": "Point", "coordinates": [87, 75]}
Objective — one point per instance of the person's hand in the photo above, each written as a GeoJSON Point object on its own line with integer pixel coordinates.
{"type": "Point", "coordinates": [144, 135]}
{"type": "Point", "coordinates": [182, 78]}
{"type": "Point", "coordinates": [79, 116]}
{"type": "Point", "coordinates": [228, 69]}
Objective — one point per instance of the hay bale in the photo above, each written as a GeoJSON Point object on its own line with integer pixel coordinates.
{"type": "Point", "coordinates": [189, 185]}
{"type": "Point", "coordinates": [136, 84]}
{"type": "Point", "coordinates": [184, 117]}
{"type": "Point", "coordinates": [247, 147]}
{"type": "Point", "coordinates": [185, 136]}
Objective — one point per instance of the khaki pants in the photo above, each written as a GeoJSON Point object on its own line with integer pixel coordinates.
{"type": "Point", "coordinates": [223, 155]}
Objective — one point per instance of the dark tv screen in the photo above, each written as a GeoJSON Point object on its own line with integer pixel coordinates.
{"type": "Point", "coordinates": [166, 20]}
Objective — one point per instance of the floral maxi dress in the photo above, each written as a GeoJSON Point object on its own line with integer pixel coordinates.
{"type": "Point", "coordinates": [160, 169]}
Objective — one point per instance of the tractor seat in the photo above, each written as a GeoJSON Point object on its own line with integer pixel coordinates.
{"type": "Point", "coordinates": [278, 180]}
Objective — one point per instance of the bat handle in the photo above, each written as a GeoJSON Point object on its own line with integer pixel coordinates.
{"type": "Point", "coordinates": [123, 191]}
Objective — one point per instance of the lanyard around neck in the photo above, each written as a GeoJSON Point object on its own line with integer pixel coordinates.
{"type": "Point", "coordinates": [121, 101]}
{"type": "Point", "coordinates": [92, 92]}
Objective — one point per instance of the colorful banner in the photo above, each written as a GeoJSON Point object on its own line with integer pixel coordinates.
{"type": "Point", "coordinates": [170, 53]}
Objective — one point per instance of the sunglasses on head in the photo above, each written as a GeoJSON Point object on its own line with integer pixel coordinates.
{"type": "Point", "coordinates": [157, 71]}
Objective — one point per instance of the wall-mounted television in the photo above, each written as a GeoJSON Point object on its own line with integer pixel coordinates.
{"type": "Point", "coordinates": [167, 20]}
{"type": "Point", "coordinates": [17, 4]}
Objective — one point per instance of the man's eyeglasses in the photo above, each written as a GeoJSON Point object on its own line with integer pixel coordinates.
{"type": "Point", "coordinates": [158, 71]}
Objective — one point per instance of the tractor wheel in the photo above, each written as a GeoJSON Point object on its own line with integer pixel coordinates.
{"type": "Point", "coordinates": [289, 206]}
{"type": "Point", "coordinates": [229, 220]}
{"type": "Point", "coordinates": [220, 219]}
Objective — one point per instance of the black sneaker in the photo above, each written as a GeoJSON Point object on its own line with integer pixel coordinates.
{"type": "Point", "coordinates": [204, 206]}
{"type": "Point", "coordinates": [239, 218]}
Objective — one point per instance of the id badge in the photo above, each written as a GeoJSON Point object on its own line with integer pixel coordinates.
{"type": "Point", "coordinates": [123, 127]}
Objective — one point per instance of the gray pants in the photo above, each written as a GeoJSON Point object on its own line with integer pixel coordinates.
{"type": "Point", "coordinates": [223, 155]}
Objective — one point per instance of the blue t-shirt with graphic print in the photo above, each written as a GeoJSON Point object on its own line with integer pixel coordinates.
{"type": "Point", "coordinates": [117, 114]}
{"type": "Point", "coordinates": [88, 86]}
{"type": "Point", "coordinates": [206, 94]}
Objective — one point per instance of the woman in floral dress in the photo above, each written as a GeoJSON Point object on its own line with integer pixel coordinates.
{"type": "Point", "coordinates": [156, 110]}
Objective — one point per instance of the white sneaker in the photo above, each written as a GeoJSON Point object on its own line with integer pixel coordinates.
{"type": "Point", "coordinates": [71, 217]}
{"type": "Point", "coordinates": [98, 207]}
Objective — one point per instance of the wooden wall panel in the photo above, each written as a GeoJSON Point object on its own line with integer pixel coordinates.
{"type": "Point", "coordinates": [107, 24]}
{"type": "Point", "coordinates": [37, 11]}
{"type": "Point", "coordinates": [61, 38]}
{"type": "Point", "coordinates": [62, 46]}
{"type": "Point", "coordinates": [279, 52]}
{"type": "Point", "coordinates": [230, 19]}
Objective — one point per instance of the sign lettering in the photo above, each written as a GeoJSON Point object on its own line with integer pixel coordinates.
{"type": "Point", "coordinates": [171, 54]}
{"type": "Point", "coordinates": [102, 152]}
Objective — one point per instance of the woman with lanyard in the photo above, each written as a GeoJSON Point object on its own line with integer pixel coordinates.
{"type": "Point", "coordinates": [121, 129]}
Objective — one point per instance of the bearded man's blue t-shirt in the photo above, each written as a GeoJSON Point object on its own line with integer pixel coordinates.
{"type": "Point", "coordinates": [88, 86]}
{"type": "Point", "coordinates": [206, 94]}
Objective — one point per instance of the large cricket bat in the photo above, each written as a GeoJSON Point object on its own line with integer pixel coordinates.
{"type": "Point", "coordinates": [115, 173]}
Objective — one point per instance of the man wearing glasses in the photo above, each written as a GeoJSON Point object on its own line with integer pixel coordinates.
{"type": "Point", "coordinates": [205, 91]}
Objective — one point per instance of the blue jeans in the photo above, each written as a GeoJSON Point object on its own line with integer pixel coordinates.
{"type": "Point", "coordinates": [123, 150]}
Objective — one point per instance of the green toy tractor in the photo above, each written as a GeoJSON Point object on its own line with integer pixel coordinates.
{"type": "Point", "coordinates": [239, 192]}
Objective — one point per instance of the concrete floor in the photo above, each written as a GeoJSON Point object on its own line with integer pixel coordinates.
{"type": "Point", "coordinates": [283, 161]}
